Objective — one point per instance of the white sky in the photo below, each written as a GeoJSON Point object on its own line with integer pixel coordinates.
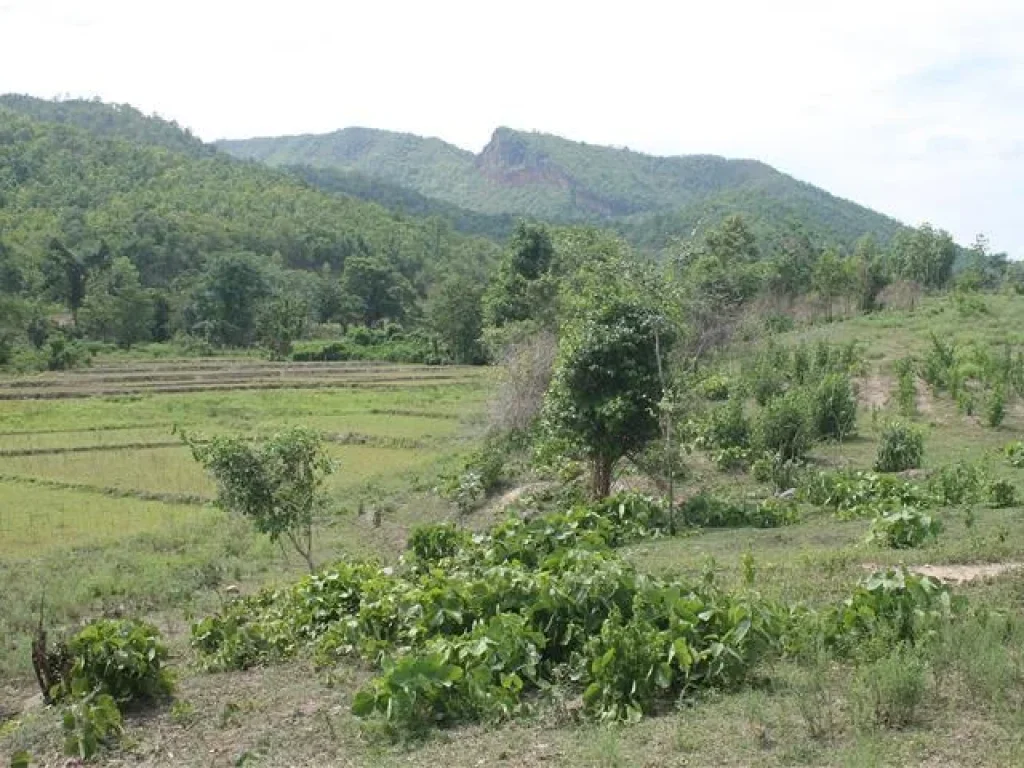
{"type": "Point", "coordinates": [912, 107]}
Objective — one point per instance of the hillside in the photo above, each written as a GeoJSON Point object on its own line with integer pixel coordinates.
{"type": "Point", "coordinates": [167, 210]}
{"type": "Point", "coordinates": [650, 199]}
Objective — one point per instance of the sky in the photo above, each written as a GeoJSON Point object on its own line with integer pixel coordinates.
{"type": "Point", "coordinates": [912, 107]}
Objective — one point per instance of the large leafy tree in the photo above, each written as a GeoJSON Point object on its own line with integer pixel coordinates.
{"type": "Point", "coordinates": [924, 255]}
{"type": "Point", "coordinates": [225, 301]}
{"type": "Point", "coordinates": [382, 291]}
{"type": "Point", "coordinates": [454, 314]}
{"type": "Point", "coordinates": [603, 400]}
{"type": "Point", "coordinates": [522, 289]}
{"type": "Point", "coordinates": [118, 308]}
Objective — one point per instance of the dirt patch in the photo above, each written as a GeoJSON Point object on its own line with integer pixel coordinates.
{"type": "Point", "coordinates": [959, 574]}
{"type": "Point", "coordinates": [874, 391]}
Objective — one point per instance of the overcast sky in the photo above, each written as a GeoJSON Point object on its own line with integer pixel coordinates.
{"type": "Point", "coordinates": [912, 107]}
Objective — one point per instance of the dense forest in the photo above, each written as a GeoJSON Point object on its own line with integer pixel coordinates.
{"type": "Point", "coordinates": [651, 200]}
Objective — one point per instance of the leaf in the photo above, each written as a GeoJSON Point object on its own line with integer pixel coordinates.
{"type": "Point", "coordinates": [21, 759]}
{"type": "Point", "coordinates": [363, 704]}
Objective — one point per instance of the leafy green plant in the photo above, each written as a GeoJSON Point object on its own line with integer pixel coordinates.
{"type": "Point", "coordinates": [784, 427]}
{"type": "Point", "coordinates": [901, 448]}
{"type": "Point", "coordinates": [906, 389]}
{"type": "Point", "coordinates": [955, 484]}
{"type": "Point", "coordinates": [724, 427]}
{"type": "Point", "coordinates": [1014, 453]}
{"type": "Point", "coordinates": [904, 529]}
{"type": "Point", "coordinates": [1002, 494]}
{"type": "Point", "coordinates": [783, 474]}
{"type": "Point", "coordinates": [995, 406]}
{"type": "Point", "coordinates": [834, 407]}
{"type": "Point", "coordinates": [414, 693]}
{"type": "Point", "coordinates": [432, 543]}
{"type": "Point", "coordinates": [715, 387]}
{"type": "Point", "coordinates": [90, 722]}
{"type": "Point", "coordinates": [853, 494]}
{"type": "Point", "coordinates": [122, 658]}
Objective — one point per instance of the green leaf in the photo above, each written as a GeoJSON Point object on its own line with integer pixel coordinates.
{"type": "Point", "coordinates": [21, 759]}
{"type": "Point", "coordinates": [363, 704]}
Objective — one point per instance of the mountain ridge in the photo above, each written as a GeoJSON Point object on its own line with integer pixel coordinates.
{"type": "Point", "coordinates": [544, 176]}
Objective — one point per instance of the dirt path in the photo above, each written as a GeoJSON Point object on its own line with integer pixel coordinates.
{"type": "Point", "coordinates": [959, 574]}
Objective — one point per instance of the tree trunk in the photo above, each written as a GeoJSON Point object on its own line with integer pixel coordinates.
{"type": "Point", "coordinates": [602, 478]}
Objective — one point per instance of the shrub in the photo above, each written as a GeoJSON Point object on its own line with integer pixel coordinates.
{"type": "Point", "coordinates": [729, 459]}
{"type": "Point", "coordinates": [725, 427]}
{"type": "Point", "coordinates": [995, 406]}
{"type": "Point", "coordinates": [121, 658]}
{"type": "Point", "coordinates": [901, 448]}
{"type": "Point", "coordinates": [1014, 453]}
{"type": "Point", "coordinates": [959, 483]}
{"type": "Point", "coordinates": [431, 543]}
{"type": "Point", "coordinates": [906, 390]}
{"type": "Point", "coordinates": [904, 529]}
{"type": "Point", "coordinates": [861, 494]}
{"type": "Point", "coordinates": [784, 428]}
{"type": "Point", "coordinates": [1002, 494]}
{"type": "Point", "coordinates": [834, 407]}
{"type": "Point", "coordinates": [771, 468]}
{"type": "Point", "coordinates": [90, 722]}
{"type": "Point", "coordinates": [715, 387]}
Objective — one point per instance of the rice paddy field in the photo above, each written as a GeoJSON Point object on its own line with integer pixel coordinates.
{"type": "Point", "coordinates": [102, 505]}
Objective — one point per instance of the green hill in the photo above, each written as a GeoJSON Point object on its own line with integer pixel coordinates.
{"type": "Point", "coordinates": [62, 175]}
{"type": "Point", "coordinates": [650, 199]}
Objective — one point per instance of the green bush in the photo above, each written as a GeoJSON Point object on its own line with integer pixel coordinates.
{"type": "Point", "coordinates": [90, 722]}
{"type": "Point", "coordinates": [784, 427]}
{"type": "Point", "coordinates": [995, 406]}
{"type": "Point", "coordinates": [956, 484]}
{"type": "Point", "coordinates": [834, 407]}
{"type": "Point", "coordinates": [906, 389]}
{"type": "Point", "coordinates": [1002, 494]}
{"type": "Point", "coordinates": [904, 529]}
{"type": "Point", "coordinates": [782, 474]}
{"type": "Point", "coordinates": [1014, 453]}
{"type": "Point", "coordinates": [853, 494]}
{"type": "Point", "coordinates": [726, 426]}
{"type": "Point", "coordinates": [901, 448]}
{"type": "Point", "coordinates": [119, 657]}
{"type": "Point", "coordinates": [715, 387]}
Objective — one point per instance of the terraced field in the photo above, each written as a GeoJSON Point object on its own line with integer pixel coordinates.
{"type": "Point", "coordinates": [101, 504]}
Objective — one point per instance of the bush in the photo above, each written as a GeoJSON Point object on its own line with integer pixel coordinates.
{"type": "Point", "coordinates": [725, 427]}
{"type": "Point", "coordinates": [862, 494]}
{"type": "Point", "coordinates": [955, 484]}
{"type": "Point", "coordinates": [782, 474]}
{"type": "Point", "coordinates": [1014, 453]}
{"type": "Point", "coordinates": [89, 723]}
{"type": "Point", "coordinates": [906, 390]}
{"type": "Point", "coordinates": [901, 448]}
{"type": "Point", "coordinates": [1002, 494]}
{"type": "Point", "coordinates": [834, 407]}
{"type": "Point", "coordinates": [995, 406]}
{"type": "Point", "coordinates": [121, 658]}
{"type": "Point", "coordinates": [715, 387]}
{"type": "Point", "coordinates": [905, 529]}
{"type": "Point", "coordinates": [784, 428]}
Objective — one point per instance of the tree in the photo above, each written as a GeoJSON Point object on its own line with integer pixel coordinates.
{"type": "Point", "coordinates": [118, 309]}
{"type": "Point", "coordinates": [829, 280]}
{"type": "Point", "coordinates": [724, 270]}
{"type": "Point", "coordinates": [281, 321]}
{"type": "Point", "coordinates": [603, 400]}
{"type": "Point", "coordinates": [455, 315]}
{"type": "Point", "coordinates": [276, 483]}
{"type": "Point", "coordinates": [793, 265]}
{"type": "Point", "coordinates": [225, 301]}
{"type": "Point", "coordinates": [924, 255]}
{"type": "Point", "coordinates": [383, 292]}
{"type": "Point", "coordinates": [867, 273]}
{"type": "Point", "coordinates": [67, 272]}
{"type": "Point", "coordinates": [522, 289]}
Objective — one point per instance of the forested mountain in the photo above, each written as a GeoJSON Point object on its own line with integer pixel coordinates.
{"type": "Point", "coordinates": [113, 121]}
{"type": "Point", "coordinates": [167, 210]}
{"type": "Point", "coordinates": [650, 199]}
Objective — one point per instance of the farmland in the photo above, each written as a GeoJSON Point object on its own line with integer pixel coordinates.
{"type": "Point", "coordinates": [102, 505]}
{"type": "Point", "coordinates": [120, 529]}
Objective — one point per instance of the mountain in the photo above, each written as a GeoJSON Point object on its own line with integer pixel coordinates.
{"type": "Point", "coordinates": [650, 199]}
{"type": "Point", "coordinates": [87, 173]}
{"type": "Point", "coordinates": [113, 121]}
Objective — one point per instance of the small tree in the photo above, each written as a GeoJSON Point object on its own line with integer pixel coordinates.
{"type": "Point", "coordinates": [280, 322]}
{"type": "Point", "coordinates": [605, 394]}
{"type": "Point", "coordinates": [276, 483]}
